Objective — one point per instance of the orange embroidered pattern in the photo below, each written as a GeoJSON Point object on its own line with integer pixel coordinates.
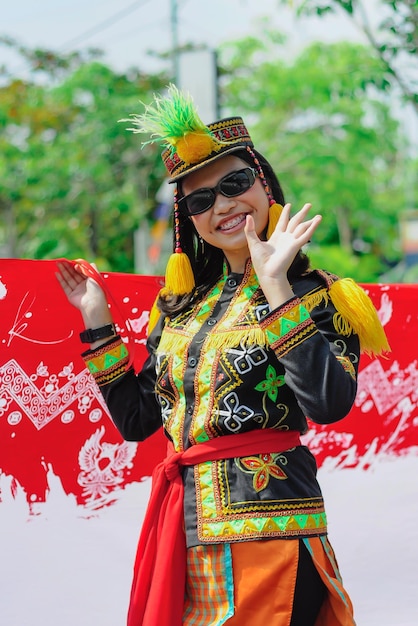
{"type": "Point", "coordinates": [263, 467]}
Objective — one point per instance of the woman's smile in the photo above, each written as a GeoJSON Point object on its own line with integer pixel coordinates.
{"type": "Point", "coordinates": [232, 224]}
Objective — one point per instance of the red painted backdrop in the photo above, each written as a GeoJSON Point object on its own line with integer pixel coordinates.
{"type": "Point", "coordinates": [52, 415]}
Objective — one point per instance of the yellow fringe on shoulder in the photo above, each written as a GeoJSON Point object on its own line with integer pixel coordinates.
{"type": "Point", "coordinates": [312, 300]}
{"type": "Point", "coordinates": [233, 338]}
{"type": "Point", "coordinates": [356, 312]}
{"type": "Point", "coordinates": [176, 343]}
{"type": "Point", "coordinates": [173, 342]}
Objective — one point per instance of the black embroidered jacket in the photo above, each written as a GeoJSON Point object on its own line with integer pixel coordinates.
{"type": "Point", "coordinates": [229, 365]}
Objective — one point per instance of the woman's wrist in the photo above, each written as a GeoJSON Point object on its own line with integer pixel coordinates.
{"type": "Point", "coordinates": [94, 317]}
{"type": "Point", "coordinates": [276, 291]}
{"type": "Point", "coordinates": [98, 319]}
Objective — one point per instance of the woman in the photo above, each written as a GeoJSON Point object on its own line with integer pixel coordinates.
{"type": "Point", "coordinates": [246, 343]}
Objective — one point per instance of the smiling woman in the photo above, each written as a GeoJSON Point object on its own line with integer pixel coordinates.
{"type": "Point", "coordinates": [245, 343]}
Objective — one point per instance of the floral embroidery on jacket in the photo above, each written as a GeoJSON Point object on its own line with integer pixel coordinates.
{"type": "Point", "coordinates": [263, 467]}
{"type": "Point", "coordinates": [272, 383]}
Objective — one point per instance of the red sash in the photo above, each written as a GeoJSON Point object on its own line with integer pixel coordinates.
{"type": "Point", "coordinates": [159, 580]}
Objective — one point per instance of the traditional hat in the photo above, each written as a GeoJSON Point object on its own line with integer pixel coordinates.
{"type": "Point", "coordinates": [189, 144]}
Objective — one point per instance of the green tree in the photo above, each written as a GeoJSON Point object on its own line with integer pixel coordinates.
{"type": "Point", "coordinates": [73, 181]}
{"type": "Point", "coordinates": [394, 40]}
{"type": "Point", "coordinates": [331, 137]}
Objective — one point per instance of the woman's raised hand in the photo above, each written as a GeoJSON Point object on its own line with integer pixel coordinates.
{"type": "Point", "coordinates": [84, 293]}
{"type": "Point", "coordinates": [271, 259]}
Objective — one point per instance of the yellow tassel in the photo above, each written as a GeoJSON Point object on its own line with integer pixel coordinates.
{"type": "Point", "coordinates": [179, 277]}
{"type": "Point", "coordinates": [357, 313]}
{"type": "Point", "coordinates": [274, 213]}
{"type": "Point", "coordinates": [154, 314]}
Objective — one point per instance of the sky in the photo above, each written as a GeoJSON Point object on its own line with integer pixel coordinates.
{"type": "Point", "coordinates": [127, 30]}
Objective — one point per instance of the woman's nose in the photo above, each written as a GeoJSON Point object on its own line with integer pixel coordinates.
{"type": "Point", "coordinates": [223, 204]}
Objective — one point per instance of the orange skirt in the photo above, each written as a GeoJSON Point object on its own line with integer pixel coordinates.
{"type": "Point", "coordinates": [253, 584]}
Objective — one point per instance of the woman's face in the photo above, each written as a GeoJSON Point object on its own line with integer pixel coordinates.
{"type": "Point", "coordinates": [223, 224]}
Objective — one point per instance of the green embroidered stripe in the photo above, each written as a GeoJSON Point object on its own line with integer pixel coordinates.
{"type": "Point", "coordinates": [103, 378]}
{"type": "Point", "coordinates": [101, 360]}
{"type": "Point", "coordinates": [280, 326]}
{"type": "Point", "coordinates": [175, 424]}
{"type": "Point", "coordinates": [285, 525]}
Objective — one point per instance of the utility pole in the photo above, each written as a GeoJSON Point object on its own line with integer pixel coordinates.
{"type": "Point", "coordinates": [195, 71]}
{"type": "Point", "coordinates": [174, 41]}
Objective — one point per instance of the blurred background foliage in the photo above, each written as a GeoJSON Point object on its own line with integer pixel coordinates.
{"type": "Point", "coordinates": [75, 183]}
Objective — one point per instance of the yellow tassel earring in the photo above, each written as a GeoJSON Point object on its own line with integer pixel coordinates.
{"type": "Point", "coordinates": [275, 209]}
{"type": "Point", "coordinates": [275, 212]}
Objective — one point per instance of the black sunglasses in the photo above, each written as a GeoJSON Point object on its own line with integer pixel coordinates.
{"type": "Point", "coordinates": [231, 185]}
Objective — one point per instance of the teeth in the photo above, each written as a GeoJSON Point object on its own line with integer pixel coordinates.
{"type": "Point", "coordinates": [232, 222]}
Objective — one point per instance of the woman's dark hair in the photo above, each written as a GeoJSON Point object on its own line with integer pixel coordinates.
{"type": "Point", "coordinates": [206, 260]}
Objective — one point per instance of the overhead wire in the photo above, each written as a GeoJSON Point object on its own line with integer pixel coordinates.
{"type": "Point", "coordinates": [110, 21]}
{"type": "Point", "coordinates": [124, 35]}
{"type": "Point", "coordinates": [107, 23]}
{"type": "Point", "coordinates": [98, 28]}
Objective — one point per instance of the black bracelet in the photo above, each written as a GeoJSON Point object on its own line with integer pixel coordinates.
{"type": "Point", "coordinates": [94, 334]}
